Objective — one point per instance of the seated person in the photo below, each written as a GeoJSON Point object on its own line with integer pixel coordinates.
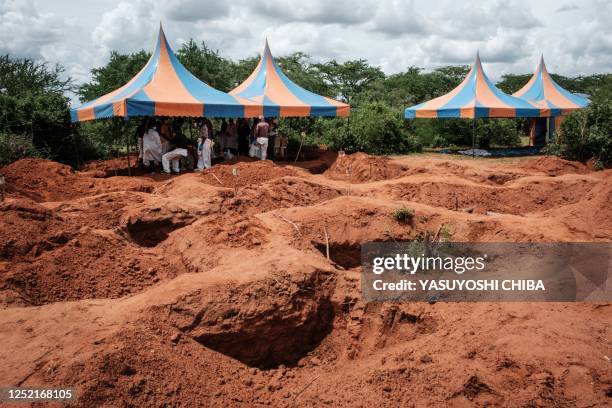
{"type": "Point", "coordinates": [174, 156]}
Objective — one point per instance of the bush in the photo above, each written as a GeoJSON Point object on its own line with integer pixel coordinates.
{"type": "Point", "coordinates": [458, 132]}
{"type": "Point", "coordinates": [403, 215]}
{"type": "Point", "coordinates": [374, 127]}
{"type": "Point", "coordinates": [15, 147]}
{"type": "Point", "coordinates": [584, 134]}
{"type": "Point", "coordinates": [32, 103]}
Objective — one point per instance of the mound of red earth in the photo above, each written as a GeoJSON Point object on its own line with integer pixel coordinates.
{"type": "Point", "coordinates": [239, 174]}
{"type": "Point", "coordinates": [362, 167]}
{"type": "Point", "coordinates": [45, 256]}
{"type": "Point", "coordinates": [553, 165]}
{"type": "Point", "coordinates": [109, 168]}
{"type": "Point", "coordinates": [43, 180]}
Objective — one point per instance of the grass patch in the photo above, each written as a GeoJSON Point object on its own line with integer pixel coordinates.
{"type": "Point", "coordinates": [403, 214]}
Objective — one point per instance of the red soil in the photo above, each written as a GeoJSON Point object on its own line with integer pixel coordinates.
{"type": "Point", "coordinates": [247, 173]}
{"type": "Point", "coordinates": [179, 291]}
{"type": "Point", "coordinates": [360, 168]}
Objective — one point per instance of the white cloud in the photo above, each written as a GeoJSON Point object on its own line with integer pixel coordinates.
{"type": "Point", "coordinates": [195, 10]}
{"type": "Point", "coordinates": [128, 27]}
{"type": "Point", "coordinates": [24, 31]}
{"type": "Point", "coordinates": [345, 12]}
{"type": "Point", "coordinates": [567, 7]}
{"type": "Point", "coordinates": [392, 34]}
{"type": "Point", "coordinates": [397, 18]}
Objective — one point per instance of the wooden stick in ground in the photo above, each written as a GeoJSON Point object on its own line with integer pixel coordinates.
{"type": "Point", "coordinates": [2, 186]}
{"type": "Point", "coordinates": [127, 146]}
{"type": "Point", "coordinates": [304, 389]}
{"type": "Point", "coordinates": [326, 242]}
{"type": "Point", "coordinates": [288, 221]}
{"type": "Point", "coordinates": [217, 178]}
{"type": "Point", "coordinates": [300, 149]}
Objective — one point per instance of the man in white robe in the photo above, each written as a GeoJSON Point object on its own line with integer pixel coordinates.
{"type": "Point", "coordinates": [151, 147]}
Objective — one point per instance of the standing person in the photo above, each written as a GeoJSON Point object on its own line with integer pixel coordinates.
{"type": "Point", "coordinates": [272, 137]}
{"type": "Point", "coordinates": [204, 150]}
{"type": "Point", "coordinates": [174, 156]}
{"type": "Point", "coordinates": [165, 132]}
{"type": "Point", "coordinates": [243, 136]}
{"type": "Point", "coordinates": [252, 137]}
{"type": "Point", "coordinates": [230, 147]}
{"type": "Point", "coordinates": [151, 146]}
{"type": "Point", "coordinates": [140, 131]}
{"type": "Point", "coordinates": [204, 129]}
{"type": "Point", "coordinates": [223, 129]}
{"type": "Point", "coordinates": [261, 134]}
{"type": "Point", "coordinates": [209, 126]}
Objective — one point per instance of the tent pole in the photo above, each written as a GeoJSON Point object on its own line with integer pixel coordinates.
{"type": "Point", "coordinates": [473, 136]}
{"type": "Point", "coordinates": [127, 144]}
{"type": "Point", "coordinates": [76, 145]}
{"type": "Point", "coordinates": [348, 130]}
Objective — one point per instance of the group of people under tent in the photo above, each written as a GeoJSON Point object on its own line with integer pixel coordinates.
{"type": "Point", "coordinates": [162, 141]}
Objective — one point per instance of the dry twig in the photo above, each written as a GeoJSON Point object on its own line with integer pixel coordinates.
{"type": "Point", "coordinates": [326, 242]}
{"type": "Point", "coordinates": [217, 178]}
{"type": "Point", "coordinates": [288, 221]}
{"type": "Point", "coordinates": [304, 389]}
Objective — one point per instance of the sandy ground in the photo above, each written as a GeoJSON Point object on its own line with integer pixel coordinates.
{"type": "Point", "coordinates": [213, 289]}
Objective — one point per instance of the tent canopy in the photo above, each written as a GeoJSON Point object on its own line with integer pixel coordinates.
{"type": "Point", "coordinates": [542, 89]}
{"type": "Point", "coordinates": [476, 97]}
{"type": "Point", "coordinates": [164, 87]}
{"type": "Point", "coordinates": [268, 86]}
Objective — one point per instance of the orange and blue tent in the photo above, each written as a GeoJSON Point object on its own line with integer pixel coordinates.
{"type": "Point", "coordinates": [164, 87]}
{"type": "Point", "coordinates": [542, 89]}
{"type": "Point", "coordinates": [476, 97]}
{"type": "Point", "coordinates": [269, 87]}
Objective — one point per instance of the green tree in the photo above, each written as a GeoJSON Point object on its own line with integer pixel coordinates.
{"type": "Point", "coordinates": [207, 65]}
{"type": "Point", "coordinates": [586, 133]}
{"type": "Point", "coordinates": [116, 73]}
{"type": "Point", "coordinates": [348, 79]}
{"type": "Point", "coordinates": [34, 109]}
{"type": "Point", "coordinates": [298, 68]}
{"type": "Point", "coordinates": [510, 83]}
{"type": "Point", "coordinates": [375, 128]}
{"type": "Point", "coordinates": [244, 68]}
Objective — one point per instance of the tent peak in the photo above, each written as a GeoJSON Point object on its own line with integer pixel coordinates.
{"type": "Point", "coordinates": [267, 47]}
{"type": "Point", "coordinates": [477, 61]}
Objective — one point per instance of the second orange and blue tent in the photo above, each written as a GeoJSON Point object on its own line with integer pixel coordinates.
{"type": "Point", "coordinates": [278, 96]}
{"type": "Point", "coordinates": [476, 97]}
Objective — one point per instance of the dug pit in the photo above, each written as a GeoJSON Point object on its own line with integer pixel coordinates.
{"type": "Point", "coordinates": [264, 323]}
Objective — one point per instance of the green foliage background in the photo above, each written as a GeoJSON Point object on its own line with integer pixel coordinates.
{"type": "Point", "coordinates": [34, 109]}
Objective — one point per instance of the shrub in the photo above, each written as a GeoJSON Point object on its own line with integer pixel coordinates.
{"type": "Point", "coordinates": [403, 214]}
{"type": "Point", "coordinates": [14, 147]}
{"type": "Point", "coordinates": [374, 127]}
{"type": "Point", "coordinates": [584, 134]}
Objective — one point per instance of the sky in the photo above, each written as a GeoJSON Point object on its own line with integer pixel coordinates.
{"type": "Point", "coordinates": [574, 36]}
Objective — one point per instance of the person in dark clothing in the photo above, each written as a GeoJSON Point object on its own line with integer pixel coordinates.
{"type": "Point", "coordinates": [140, 131]}
{"type": "Point", "coordinates": [174, 156]}
{"type": "Point", "coordinates": [252, 137]}
{"type": "Point", "coordinates": [243, 136]}
{"type": "Point", "coordinates": [272, 137]}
